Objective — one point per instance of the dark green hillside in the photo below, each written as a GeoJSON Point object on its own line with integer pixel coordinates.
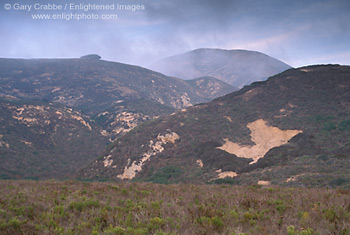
{"type": "Point", "coordinates": [102, 88]}
{"type": "Point", "coordinates": [45, 140]}
{"type": "Point", "coordinates": [89, 85]}
{"type": "Point", "coordinates": [50, 137]}
{"type": "Point", "coordinates": [293, 128]}
{"type": "Point", "coordinates": [28, 207]}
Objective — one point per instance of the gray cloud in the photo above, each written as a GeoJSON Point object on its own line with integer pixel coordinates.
{"type": "Point", "coordinates": [297, 32]}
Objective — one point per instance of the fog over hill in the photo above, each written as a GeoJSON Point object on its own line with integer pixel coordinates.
{"type": "Point", "coordinates": [235, 67]}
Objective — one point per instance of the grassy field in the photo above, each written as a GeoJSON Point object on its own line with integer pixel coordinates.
{"type": "Point", "coordinates": [70, 207]}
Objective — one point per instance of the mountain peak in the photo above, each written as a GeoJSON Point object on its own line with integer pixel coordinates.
{"type": "Point", "coordinates": [235, 67]}
{"type": "Point", "coordinates": [91, 57]}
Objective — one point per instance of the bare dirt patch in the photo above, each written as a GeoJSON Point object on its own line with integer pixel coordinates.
{"type": "Point", "coordinates": [265, 138]}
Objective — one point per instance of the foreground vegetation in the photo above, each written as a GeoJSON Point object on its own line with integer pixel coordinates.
{"type": "Point", "coordinates": [51, 207]}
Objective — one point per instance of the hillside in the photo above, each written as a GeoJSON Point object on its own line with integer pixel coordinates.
{"type": "Point", "coordinates": [50, 207]}
{"type": "Point", "coordinates": [292, 129]}
{"type": "Point", "coordinates": [120, 96]}
{"type": "Point", "coordinates": [235, 67]}
{"type": "Point", "coordinates": [45, 140]}
{"type": "Point", "coordinates": [210, 87]}
{"type": "Point", "coordinates": [57, 115]}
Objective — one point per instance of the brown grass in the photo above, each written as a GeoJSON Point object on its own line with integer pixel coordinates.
{"type": "Point", "coordinates": [51, 207]}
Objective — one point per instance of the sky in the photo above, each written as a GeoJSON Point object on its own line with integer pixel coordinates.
{"type": "Point", "coordinates": [140, 32]}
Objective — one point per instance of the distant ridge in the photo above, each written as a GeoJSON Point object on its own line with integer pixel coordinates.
{"type": "Point", "coordinates": [235, 67]}
{"type": "Point", "coordinates": [91, 57]}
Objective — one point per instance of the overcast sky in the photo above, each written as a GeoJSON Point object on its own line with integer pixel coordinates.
{"type": "Point", "coordinates": [298, 32]}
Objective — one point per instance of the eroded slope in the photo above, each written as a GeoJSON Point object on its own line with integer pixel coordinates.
{"type": "Point", "coordinates": [44, 140]}
{"type": "Point", "coordinates": [118, 96]}
{"type": "Point", "coordinates": [273, 125]}
{"type": "Point", "coordinates": [265, 138]}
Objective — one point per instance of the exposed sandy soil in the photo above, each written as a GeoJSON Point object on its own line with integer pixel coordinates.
{"type": "Point", "coordinates": [200, 163]}
{"type": "Point", "coordinates": [155, 148]}
{"type": "Point", "coordinates": [265, 138]}
{"type": "Point", "coordinates": [225, 174]}
{"type": "Point", "coordinates": [264, 183]}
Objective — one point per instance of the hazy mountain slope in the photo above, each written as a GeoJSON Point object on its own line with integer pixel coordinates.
{"type": "Point", "coordinates": [235, 67]}
{"type": "Point", "coordinates": [99, 88]}
{"type": "Point", "coordinates": [295, 126]}
{"type": "Point", "coordinates": [45, 140]}
{"type": "Point", "coordinates": [210, 87]}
